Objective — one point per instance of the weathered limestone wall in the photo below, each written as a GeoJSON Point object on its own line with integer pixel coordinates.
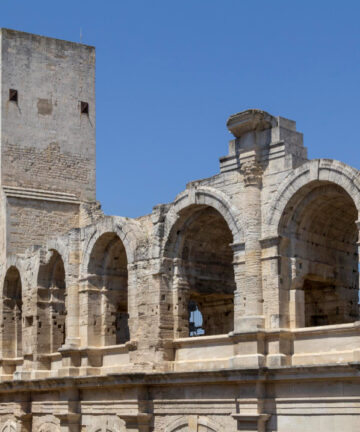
{"type": "Point", "coordinates": [32, 222]}
{"type": "Point", "coordinates": [44, 136]}
{"type": "Point", "coordinates": [47, 137]}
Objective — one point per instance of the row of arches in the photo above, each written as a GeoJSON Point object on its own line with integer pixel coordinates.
{"type": "Point", "coordinates": [318, 260]}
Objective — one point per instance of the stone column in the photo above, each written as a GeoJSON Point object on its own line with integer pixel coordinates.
{"type": "Point", "coordinates": [72, 317]}
{"type": "Point", "coordinates": [274, 286]}
{"type": "Point", "coordinates": [90, 311]}
{"type": "Point", "coordinates": [252, 290]}
{"type": "Point", "coordinates": [72, 303]}
{"type": "Point", "coordinates": [22, 413]}
{"type": "Point", "coordinates": [180, 302]}
{"type": "Point", "coordinates": [239, 274]}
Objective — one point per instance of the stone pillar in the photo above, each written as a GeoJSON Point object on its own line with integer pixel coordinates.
{"type": "Point", "coordinates": [22, 413]}
{"type": "Point", "coordinates": [132, 301]}
{"type": "Point", "coordinates": [137, 422]}
{"type": "Point", "coordinates": [72, 301]}
{"type": "Point", "coordinates": [72, 317]}
{"type": "Point", "coordinates": [26, 423]}
{"type": "Point", "coordinates": [239, 275]}
{"type": "Point", "coordinates": [275, 289]}
{"type": "Point", "coordinates": [252, 297]}
{"type": "Point", "coordinates": [90, 311]}
{"type": "Point", "coordinates": [297, 308]}
{"type": "Point", "coordinates": [70, 422]}
{"type": "Point", "coordinates": [180, 302]}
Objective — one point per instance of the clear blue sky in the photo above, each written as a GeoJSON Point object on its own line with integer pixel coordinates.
{"type": "Point", "coordinates": [169, 73]}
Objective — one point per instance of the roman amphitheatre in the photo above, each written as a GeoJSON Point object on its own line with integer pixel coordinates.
{"type": "Point", "coordinates": [232, 308]}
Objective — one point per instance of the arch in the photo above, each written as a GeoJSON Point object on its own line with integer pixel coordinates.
{"type": "Point", "coordinates": [319, 255]}
{"type": "Point", "coordinates": [202, 276]}
{"type": "Point", "coordinates": [129, 232]}
{"type": "Point", "coordinates": [325, 170]}
{"type": "Point", "coordinates": [181, 424]}
{"type": "Point", "coordinates": [50, 303]}
{"type": "Point", "coordinates": [206, 196]}
{"type": "Point", "coordinates": [12, 314]}
{"type": "Point", "coordinates": [10, 426]}
{"type": "Point", "coordinates": [108, 277]}
{"type": "Point", "coordinates": [49, 427]}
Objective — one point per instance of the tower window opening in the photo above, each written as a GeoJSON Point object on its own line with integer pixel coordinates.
{"type": "Point", "coordinates": [13, 95]}
{"type": "Point", "coordinates": [84, 108]}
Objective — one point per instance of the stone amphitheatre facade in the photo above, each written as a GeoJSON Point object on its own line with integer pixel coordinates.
{"type": "Point", "coordinates": [232, 308]}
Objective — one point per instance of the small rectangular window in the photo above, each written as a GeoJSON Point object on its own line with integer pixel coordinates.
{"type": "Point", "coordinates": [84, 108]}
{"type": "Point", "coordinates": [13, 95]}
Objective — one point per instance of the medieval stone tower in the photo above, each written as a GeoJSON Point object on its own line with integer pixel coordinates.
{"type": "Point", "coordinates": [47, 128]}
{"type": "Point", "coordinates": [233, 308]}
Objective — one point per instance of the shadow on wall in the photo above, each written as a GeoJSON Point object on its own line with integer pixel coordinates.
{"type": "Point", "coordinates": [319, 257]}
{"type": "Point", "coordinates": [203, 281]}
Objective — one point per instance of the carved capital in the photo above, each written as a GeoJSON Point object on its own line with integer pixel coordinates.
{"type": "Point", "coordinates": [252, 172]}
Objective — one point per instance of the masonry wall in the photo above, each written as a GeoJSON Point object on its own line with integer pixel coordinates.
{"type": "Point", "coordinates": [45, 138]}
{"type": "Point", "coordinates": [32, 222]}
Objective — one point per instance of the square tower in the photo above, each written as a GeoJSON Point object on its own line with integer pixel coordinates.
{"type": "Point", "coordinates": [47, 137]}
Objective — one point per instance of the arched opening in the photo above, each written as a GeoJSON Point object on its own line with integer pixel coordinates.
{"type": "Point", "coordinates": [51, 312]}
{"type": "Point", "coordinates": [9, 427]}
{"type": "Point", "coordinates": [108, 273]}
{"type": "Point", "coordinates": [319, 265]}
{"type": "Point", "coordinates": [12, 314]}
{"type": "Point", "coordinates": [203, 281]}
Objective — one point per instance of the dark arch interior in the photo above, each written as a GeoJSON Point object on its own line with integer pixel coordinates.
{"type": "Point", "coordinates": [108, 267]}
{"type": "Point", "coordinates": [12, 314]}
{"type": "Point", "coordinates": [51, 314]}
{"type": "Point", "coordinates": [202, 240]}
{"type": "Point", "coordinates": [319, 246]}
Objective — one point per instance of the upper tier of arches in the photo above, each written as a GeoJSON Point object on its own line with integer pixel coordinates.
{"type": "Point", "coordinates": [103, 272]}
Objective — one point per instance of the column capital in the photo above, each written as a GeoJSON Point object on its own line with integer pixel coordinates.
{"type": "Point", "coordinates": [252, 172]}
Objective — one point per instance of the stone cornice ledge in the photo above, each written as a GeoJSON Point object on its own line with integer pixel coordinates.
{"type": "Point", "coordinates": [282, 373]}
{"type": "Point", "coordinates": [250, 120]}
{"type": "Point", "coordinates": [39, 194]}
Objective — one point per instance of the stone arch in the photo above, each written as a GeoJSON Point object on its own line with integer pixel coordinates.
{"type": "Point", "coordinates": [12, 313]}
{"type": "Point", "coordinates": [203, 422]}
{"type": "Point", "coordinates": [198, 259]}
{"type": "Point", "coordinates": [317, 228]}
{"type": "Point", "coordinates": [50, 302]}
{"type": "Point", "coordinates": [128, 231]}
{"type": "Point", "coordinates": [325, 170]}
{"type": "Point", "coordinates": [107, 424]}
{"type": "Point", "coordinates": [108, 291]}
{"type": "Point", "coordinates": [211, 197]}
{"type": "Point", "coordinates": [108, 270]}
{"type": "Point", "coordinates": [9, 426]}
{"type": "Point", "coordinates": [49, 427]}
{"type": "Point", "coordinates": [59, 245]}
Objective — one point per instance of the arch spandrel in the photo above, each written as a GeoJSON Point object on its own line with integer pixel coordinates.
{"type": "Point", "coordinates": [308, 175]}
